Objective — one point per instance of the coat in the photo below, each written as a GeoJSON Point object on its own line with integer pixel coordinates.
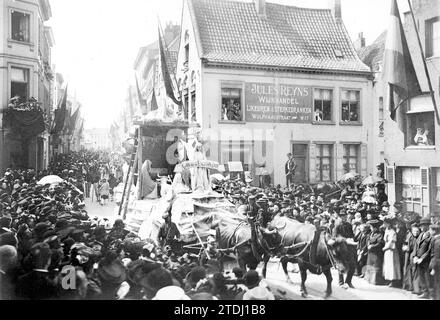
{"type": "Point", "coordinates": [434, 263]}
{"type": "Point", "coordinates": [391, 261]}
{"type": "Point", "coordinates": [422, 249]}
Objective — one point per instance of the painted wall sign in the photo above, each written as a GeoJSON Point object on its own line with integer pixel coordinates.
{"type": "Point", "coordinates": [279, 103]}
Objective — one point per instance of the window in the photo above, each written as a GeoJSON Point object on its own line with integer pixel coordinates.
{"type": "Point", "coordinates": [421, 128]}
{"type": "Point", "coordinates": [433, 37]}
{"type": "Point", "coordinates": [351, 158]}
{"type": "Point", "coordinates": [324, 157]}
{"type": "Point", "coordinates": [193, 107]}
{"type": "Point", "coordinates": [20, 24]}
{"type": "Point", "coordinates": [323, 105]}
{"type": "Point", "coordinates": [232, 104]}
{"type": "Point", "coordinates": [408, 187]}
{"type": "Point", "coordinates": [350, 106]}
{"type": "Point", "coordinates": [19, 83]}
{"type": "Point", "coordinates": [187, 54]}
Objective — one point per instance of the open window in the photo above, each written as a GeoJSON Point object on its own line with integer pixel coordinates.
{"type": "Point", "coordinates": [20, 83]}
{"type": "Point", "coordinates": [350, 106]}
{"type": "Point", "coordinates": [20, 26]}
{"type": "Point", "coordinates": [421, 123]}
{"type": "Point", "coordinates": [232, 104]}
{"type": "Point", "coordinates": [323, 102]}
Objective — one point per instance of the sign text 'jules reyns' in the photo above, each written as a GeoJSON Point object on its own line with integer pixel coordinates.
{"type": "Point", "coordinates": [280, 103]}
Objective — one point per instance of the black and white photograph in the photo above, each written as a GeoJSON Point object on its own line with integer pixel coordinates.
{"type": "Point", "coordinates": [239, 151]}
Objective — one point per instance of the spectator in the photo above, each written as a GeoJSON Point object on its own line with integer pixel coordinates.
{"type": "Point", "coordinates": [391, 262]}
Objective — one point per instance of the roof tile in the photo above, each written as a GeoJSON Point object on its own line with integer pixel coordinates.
{"type": "Point", "coordinates": [291, 37]}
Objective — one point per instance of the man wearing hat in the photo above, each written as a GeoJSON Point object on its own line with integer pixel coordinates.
{"type": "Point", "coordinates": [421, 259]}
{"type": "Point", "coordinates": [434, 265]}
{"type": "Point", "coordinates": [345, 230]}
{"type": "Point", "coordinates": [169, 234]}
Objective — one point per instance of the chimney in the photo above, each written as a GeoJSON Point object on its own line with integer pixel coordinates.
{"type": "Point", "coordinates": [260, 6]}
{"type": "Point", "coordinates": [360, 42]}
{"type": "Point", "coordinates": [335, 6]}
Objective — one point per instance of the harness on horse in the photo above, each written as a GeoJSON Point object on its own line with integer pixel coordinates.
{"type": "Point", "coordinates": [312, 255]}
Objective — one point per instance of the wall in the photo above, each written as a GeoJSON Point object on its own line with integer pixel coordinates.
{"type": "Point", "coordinates": [285, 134]}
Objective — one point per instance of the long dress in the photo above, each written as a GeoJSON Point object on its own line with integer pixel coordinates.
{"type": "Point", "coordinates": [391, 260]}
{"type": "Point", "coordinates": [199, 178]}
{"type": "Point", "coordinates": [408, 273]}
{"type": "Point", "coordinates": [373, 271]}
{"type": "Point", "coordinates": [147, 188]}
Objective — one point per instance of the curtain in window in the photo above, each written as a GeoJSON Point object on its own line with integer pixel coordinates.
{"type": "Point", "coordinates": [24, 27]}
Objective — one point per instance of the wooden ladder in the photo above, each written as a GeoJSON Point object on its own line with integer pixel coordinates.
{"type": "Point", "coordinates": [131, 173]}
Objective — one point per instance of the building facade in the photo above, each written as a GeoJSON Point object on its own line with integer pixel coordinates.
{"type": "Point", "coordinates": [264, 80]}
{"type": "Point", "coordinates": [412, 165]}
{"type": "Point", "coordinates": [25, 72]}
{"type": "Point", "coordinates": [96, 139]}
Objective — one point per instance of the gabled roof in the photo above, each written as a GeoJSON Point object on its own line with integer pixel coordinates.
{"type": "Point", "coordinates": [232, 32]}
{"type": "Point", "coordinates": [373, 54]}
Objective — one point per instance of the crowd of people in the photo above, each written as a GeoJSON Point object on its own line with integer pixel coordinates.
{"type": "Point", "coordinates": [46, 237]}
{"type": "Point", "coordinates": [48, 240]}
{"type": "Point", "coordinates": [393, 247]}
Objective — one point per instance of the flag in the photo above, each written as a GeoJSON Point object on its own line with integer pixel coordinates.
{"type": "Point", "coordinates": [166, 72]}
{"type": "Point", "coordinates": [142, 101]}
{"type": "Point", "coordinates": [74, 120]}
{"type": "Point", "coordinates": [399, 71]}
{"type": "Point", "coordinates": [60, 114]}
{"type": "Point", "coordinates": [154, 105]}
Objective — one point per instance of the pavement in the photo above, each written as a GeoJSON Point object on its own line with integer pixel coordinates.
{"type": "Point", "coordinates": [316, 285]}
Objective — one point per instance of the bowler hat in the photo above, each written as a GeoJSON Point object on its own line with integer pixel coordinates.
{"type": "Point", "coordinates": [251, 279]}
{"type": "Point", "coordinates": [112, 271]}
{"type": "Point", "coordinates": [425, 221]}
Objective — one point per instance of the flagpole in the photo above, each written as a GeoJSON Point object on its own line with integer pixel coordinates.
{"type": "Point", "coordinates": [425, 64]}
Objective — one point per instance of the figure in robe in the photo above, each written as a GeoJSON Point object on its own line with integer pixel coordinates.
{"type": "Point", "coordinates": [147, 188]}
{"type": "Point", "coordinates": [199, 176]}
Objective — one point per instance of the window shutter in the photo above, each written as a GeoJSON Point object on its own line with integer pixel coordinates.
{"type": "Point", "coordinates": [391, 186]}
{"type": "Point", "coordinates": [312, 163]}
{"type": "Point", "coordinates": [364, 160]}
{"type": "Point", "coordinates": [339, 161]}
{"type": "Point", "coordinates": [425, 185]}
{"type": "Point", "coordinates": [390, 175]}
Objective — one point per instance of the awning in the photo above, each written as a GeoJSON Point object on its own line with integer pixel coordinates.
{"type": "Point", "coordinates": [421, 104]}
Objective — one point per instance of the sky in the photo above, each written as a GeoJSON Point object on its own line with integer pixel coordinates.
{"type": "Point", "coordinates": [97, 41]}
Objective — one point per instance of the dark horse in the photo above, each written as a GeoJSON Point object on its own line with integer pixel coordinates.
{"type": "Point", "coordinates": [311, 248]}
{"type": "Point", "coordinates": [241, 237]}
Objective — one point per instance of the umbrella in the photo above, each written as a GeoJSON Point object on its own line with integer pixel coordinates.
{"type": "Point", "coordinates": [371, 180]}
{"type": "Point", "coordinates": [50, 180]}
{"type": "Point", "coordinates": [369, 199]}
{"type": "Point", "coordinates": [349, 176]}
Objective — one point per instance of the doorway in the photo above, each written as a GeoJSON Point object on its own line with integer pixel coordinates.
{"type": "Point", "coordinates": [300, 155]}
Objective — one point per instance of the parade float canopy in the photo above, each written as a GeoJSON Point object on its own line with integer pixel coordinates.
{"type": "Point", "coordinates": [200, 209]}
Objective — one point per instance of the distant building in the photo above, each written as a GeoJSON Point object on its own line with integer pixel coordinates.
{"type": "Point", "coordinates": [412, 168]}
{"type": "Point", "coordinates": [264, 80]}
{"type": "Point", "coordinates": [25, 72]}
{"type": "Point", "coordinates": [97, 139]}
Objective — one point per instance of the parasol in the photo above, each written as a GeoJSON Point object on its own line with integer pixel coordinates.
{"type": "Point", "coordinates": [50, 180]}
{"type": "Point", "coordinates": [369, 199]}
{"type": "Point", "coordinates": [371, 180]}
{"type": "Point", "coordinates": [348, 176]}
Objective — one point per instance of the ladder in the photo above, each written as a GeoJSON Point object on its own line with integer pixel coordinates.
{"type": "Point", "coordinates": [131, 173]}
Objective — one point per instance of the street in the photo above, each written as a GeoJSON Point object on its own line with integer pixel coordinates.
{"type": "Point", "coordinates": [316, 285]}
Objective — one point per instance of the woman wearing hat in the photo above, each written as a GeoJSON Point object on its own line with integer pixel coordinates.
{"type": "Point", "coordinates": [373, 271]}
{"type": "Point", "coordinates": [391, 262]}
{"type": "Point", "coordinates": [408, 248]}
